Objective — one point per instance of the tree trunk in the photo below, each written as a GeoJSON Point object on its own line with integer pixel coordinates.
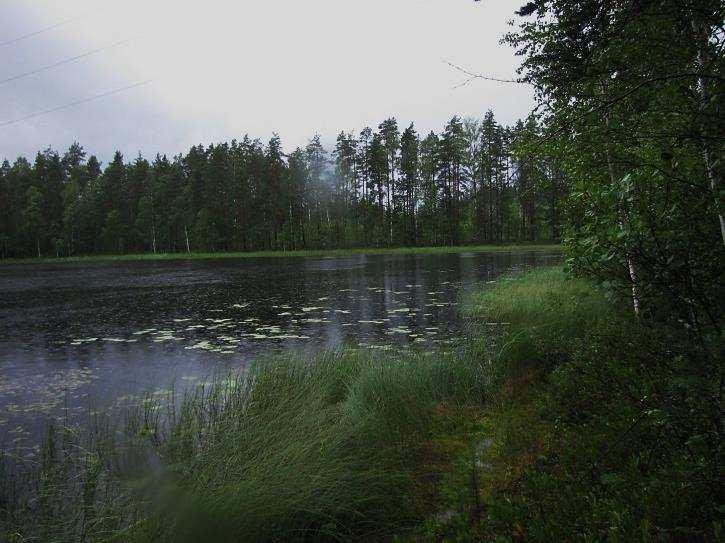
{"type": "Point", "coordinates": [713, 175]}
{"type": "Point", "coordinates": [554, 210]}
{"type": "Point", "coordinates": [630, 263]}
{"type": "Point", "coordinates": [186, 235]}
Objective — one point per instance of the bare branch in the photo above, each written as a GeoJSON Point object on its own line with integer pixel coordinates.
{"type": "Point", "coordinates": [471, 76]}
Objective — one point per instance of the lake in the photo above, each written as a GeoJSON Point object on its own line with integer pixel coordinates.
{"type": "Point", "coordinates": [81, 336]}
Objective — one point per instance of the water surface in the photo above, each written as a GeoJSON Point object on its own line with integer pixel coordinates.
{"type": "Point", "coordinates": [77, 336]}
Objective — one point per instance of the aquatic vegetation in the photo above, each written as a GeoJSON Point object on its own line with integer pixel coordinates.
{"type": "Point", "coordinates": [270, 328]}
{"type": "Point", "coordinates": [201, 345]}
{"type": "Point", "coordinates": [232, 337]}
{"type": "Point", "coordinates": [48, 393]}
{"type": "Point", "coordinates": [165, 337]}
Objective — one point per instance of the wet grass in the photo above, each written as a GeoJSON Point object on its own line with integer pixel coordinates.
{"type": "Point", "coordinates": [334, 448]}
{"type": "Point", "coordinates": [560, 417]}
{"type": "Point", "coordinates": [544, 247]}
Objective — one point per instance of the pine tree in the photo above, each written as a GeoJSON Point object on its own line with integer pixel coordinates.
{"type": "Point", "coordinates": [451, 150]}
{"type": "Point", "coordinates": [390, 137]}
{"type": "Point", "coordinates": [409, 182]}
{"type": "Point", "coordinates": [382, 188]}
{"type": "Point", "coordinates": [33, 216]}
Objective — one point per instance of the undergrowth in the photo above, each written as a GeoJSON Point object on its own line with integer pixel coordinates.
{"type": "Point", "coordinates": [602, 426]}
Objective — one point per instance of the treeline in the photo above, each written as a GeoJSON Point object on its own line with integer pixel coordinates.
{"type": "Point", "coordinates": [472, 183]}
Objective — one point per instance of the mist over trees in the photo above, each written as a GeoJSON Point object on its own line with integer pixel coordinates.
{"type": "Point", "coordinates": [474, 182]}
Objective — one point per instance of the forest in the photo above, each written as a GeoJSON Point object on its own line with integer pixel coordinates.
{"type": "Point", "coordinates": [475, 182]}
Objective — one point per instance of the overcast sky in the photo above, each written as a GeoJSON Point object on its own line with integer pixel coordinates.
{"type": "Point", "coordinates": [220, 69]}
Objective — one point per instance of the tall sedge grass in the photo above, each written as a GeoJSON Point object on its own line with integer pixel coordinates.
{"type": "Point", "coordinates": [528, 322]}
{"type": "Point", "coordinates": [290, 449]}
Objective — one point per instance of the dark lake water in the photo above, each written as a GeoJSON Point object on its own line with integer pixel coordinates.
{"type": "Point", "coordinates": [89, 335]}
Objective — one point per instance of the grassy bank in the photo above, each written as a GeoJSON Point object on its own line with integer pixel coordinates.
{"type": "Point", "coordinates": [301, 253]}
{"type": "Point", "coordinates": [602, 426]}
{"type": "Point", "coordinates": [560, 417]}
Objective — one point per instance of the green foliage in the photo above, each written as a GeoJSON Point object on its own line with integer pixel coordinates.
{"type": "Point", "coordinates": [379, 189]}
{"type": "Point", "coordinates": [602, 424]}
{"type": "Point", "coordinates": [33, 217]}
{"type": "Point", "coordinates": [526, 319]}
{"type": "Point", "coordinates": [630, 99]}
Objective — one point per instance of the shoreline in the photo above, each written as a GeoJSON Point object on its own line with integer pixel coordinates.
{"type": "Point", "coordinates": [133, 257]}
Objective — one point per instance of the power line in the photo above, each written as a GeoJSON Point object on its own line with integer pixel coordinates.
{"type": "Point", "coordinates": [46, 29]}
{"type": "Point", "coordinates": [60, 63]}
{"type": "Point", "coordinates": [76, 103]}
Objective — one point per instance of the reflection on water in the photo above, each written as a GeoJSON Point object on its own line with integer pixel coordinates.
{"type": "Point", "coordinates": [92, 334]}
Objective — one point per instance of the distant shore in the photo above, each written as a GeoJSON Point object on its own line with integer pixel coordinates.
{"type": "Point", "coordinates": [297, 253]}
